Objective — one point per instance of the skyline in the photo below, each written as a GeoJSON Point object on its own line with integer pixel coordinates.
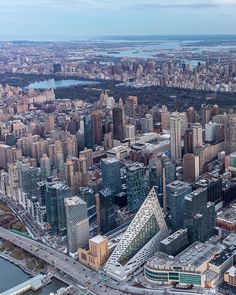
{"type": "Point", "coordinates": [61, 20]}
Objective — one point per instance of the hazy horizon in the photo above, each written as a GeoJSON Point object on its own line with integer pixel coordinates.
{"type": "Point", "coordinates": [128, 37]}
{"type": "Point", "coordinates": [76, 19]}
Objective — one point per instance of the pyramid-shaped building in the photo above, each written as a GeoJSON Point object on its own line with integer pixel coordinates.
{"type": "Point", "coordinates": [140, 241]}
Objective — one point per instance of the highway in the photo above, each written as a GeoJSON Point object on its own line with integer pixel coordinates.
{"type": "Point", "coordinates": [60, 261]}
{"type": "Point", "coordinates": [22, 214]}
{"type": "Point", "coordinates": [87, 280]}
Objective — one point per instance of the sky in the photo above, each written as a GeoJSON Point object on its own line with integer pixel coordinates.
{"type": "Point", "coordinates": [81, 19]}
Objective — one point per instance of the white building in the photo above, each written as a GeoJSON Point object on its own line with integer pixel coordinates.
{"type": "Point", "coordinates": [140, 241]}
{"type": "Point", "coordinates": [197, 135]}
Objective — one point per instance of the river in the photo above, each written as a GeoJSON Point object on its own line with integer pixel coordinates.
{"type": "Point", "coordinates": [11, 275]}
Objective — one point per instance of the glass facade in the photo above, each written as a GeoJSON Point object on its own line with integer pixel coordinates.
{"type": "Point", "coordinates": [176, 192]}
{"type": "Point", "coordinates": [169, 277]}
{"type": "Point", "coordinates": [198, 214]}
{"type": "Point", "coordinates": [107, 211]}
{"type": "Point", "coordinates": [111, 175]}
{"type": "Point", "coordinates": [55, 193]}
{"type": "Point", "coordinates": [88, 132]}
{"type": "Point", "coordinates": [136, 186]}
{"type": "Point", "coordinates": [148, 231]}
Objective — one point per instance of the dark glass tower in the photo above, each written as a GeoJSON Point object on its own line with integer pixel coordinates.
{"type": "Point", "coordinates": [88, 195]}
{"type": "Point", "coordinates": [105, 207]}
{"type": "Point", "coordinates": [118, 127]}
{"type": "Point", "coordinates": [111, 175]}
{"type": "Point", "coordinates": [88, 132]}
{"type": "Point", "coordinates": [176, 192]}
{"type": "Point", "coordinates": [199, 216]}
{"type": "Point", "coordinates": [55, 193]}
{"type": "Point", "coordinates": [137, 186]}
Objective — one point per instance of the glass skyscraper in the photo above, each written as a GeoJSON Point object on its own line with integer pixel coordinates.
{"type": "Point", "coordinates": [176, 192]}
{"type": "Point", "coordinates": [106, 211]}
{"type": "Point", "coordinates": [55, 193]}
{"type": "Point", "coordinates": [88, 132]}
{"type": "Point", "coordinates": [77, 223]}
{"type": "Point", "coordinates": [137, 186]}
{"type": "Point", "coordinates": [111, 178]}
{"type": "Point", "coordinates": [199, 216]}
{"type": "Point", "coordinates": [88, 195]}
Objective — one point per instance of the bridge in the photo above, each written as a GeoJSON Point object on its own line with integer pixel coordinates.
{"type": "Point", "coordinates": [60, 261]}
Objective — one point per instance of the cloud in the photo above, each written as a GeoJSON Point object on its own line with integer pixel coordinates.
{"type": "Point", "coordinates": [117, 4]}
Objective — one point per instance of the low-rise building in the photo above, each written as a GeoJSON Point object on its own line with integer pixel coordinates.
{"type": "Point", "coordinates": [188, 267]}
{"type": "Point", "coordinates": [230, 276]}
{"type": "Point", "coordinates": [97, 254]}
{"type": "Point", "coordinates": [175, 243]}
{"type": "Point", "coordinates": [226, 219]}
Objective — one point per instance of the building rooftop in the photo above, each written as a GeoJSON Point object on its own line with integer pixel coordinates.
{"type": "Point", "coordinates": [230, 240]}
{"type": "Point", "coordinates": [210, 275]}
{"type": "Point", "coordinates": [135, 166]}
{"type": "Point", "coordinates": [207, 178]}
{"type": "Point", "coordinates": [174, 236]}
{"type": "Point", "coordinates": [177, 184]}
{"type": "Point", "coordinates": [195, 193]}
{"type": "Point", "coordinates": [219, 259]}
{"type": "Point", "coordinates": [110, 160]}
{"type": "Point", "coordinates": [73, 201]}
{"type": "Point", "coordinates": [232, 271]}
{"type": "Point", "coordinates": [228, 215]}
{"type": "Point", "coordinates": [98, 239]}
{"type": "Point", "coordinates": [194, 256]}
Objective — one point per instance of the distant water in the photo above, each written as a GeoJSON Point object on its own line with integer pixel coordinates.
{"type": "Point", "coordinates": [11, 276]}
{"type": "Point", "coordinates": [52, 83]}
{"type": "Point", "coordinates": [149, 46]}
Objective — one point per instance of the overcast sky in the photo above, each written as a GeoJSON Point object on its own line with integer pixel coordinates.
{"type": "Point", "coordinates": [76, 19]}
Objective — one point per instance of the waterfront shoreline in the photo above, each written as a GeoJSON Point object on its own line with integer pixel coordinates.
{"type": "Point", "coordinates": [18, 264]}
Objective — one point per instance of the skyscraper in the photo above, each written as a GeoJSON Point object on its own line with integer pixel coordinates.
{"type": "Point", "coordinates": [111, 177]}
{"type": "Point", "coordinates": [164, 117]}
{"type": "Point", "coordinates": [137, 186]}
{"type": "Point", "coordinates": [230, 134]}
{"type": "Point", "coordinates": [80, 140]}
{"type": "Point", "coordinates": [50, 123]}
{"type": "Point", "coordinates": [149, 122]}
{"type": "Point", "coordinates": [212, 132]}
{"type": "Point", "coordinates": [28, 181]}
{"type": "Point", "coordinates": [45, 167]}
{"type": "Point", "coordinates": [97, 127]}
{"type": "Point", "coordinates": [77, 223]}
{"type": "Point", "coordinates": [88, 132]}
{"type": "Point", "coordinates": [199, 216]}
{"type": "Point", "coordinates": [106, 215]}
{"type": "Point", "coordinates": [191, 115]}
{"type": "Point", "coordinates": [191, 167]}
{"type": "Point", "coordinates": [140, 241]}
{"type": "Point", "coordinates": [213, 184]}
{"type": "Point", "coordinates": [55, 194]}
{"type": "Point", "coordinates": [88, 195]}
{"type": "Point", "coordinates": [130, 105]}
{"type": "Point", "coordinates": [176, 192]}
{"type": "Point", "coordinates": [188, 141]}
{"type": "Point", "coordinates": [118, 127]}
{"type": "Point", "coordinates": [197, 135]}
{"type": "Point", "coordinates": [206, 114]}
{"type": "Point", "coordinates": [175, 136]}
{"type": "Point", "coordinates": [130, 132]}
